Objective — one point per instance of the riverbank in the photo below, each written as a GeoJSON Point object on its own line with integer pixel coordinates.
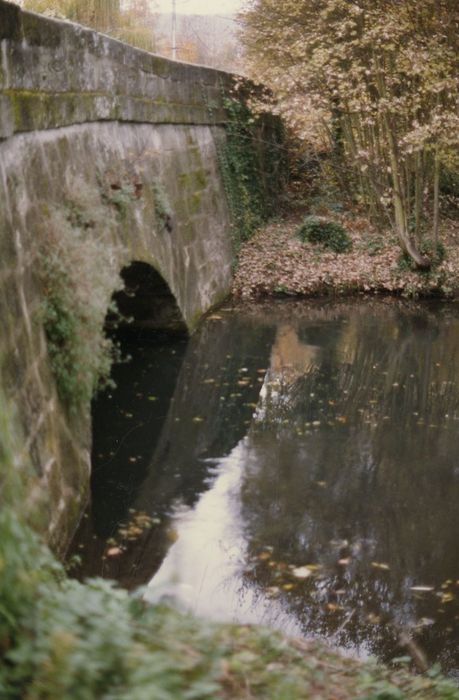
{"type": "Point", "coordinates": [63, 639]}
{"type": "Point", "coordinates": [274, 262]}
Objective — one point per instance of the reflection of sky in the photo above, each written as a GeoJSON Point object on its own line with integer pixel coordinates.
{"type": "Point", "coordinates": [203, 570]}
{"type": "Point", "coordinates": [349, 465]}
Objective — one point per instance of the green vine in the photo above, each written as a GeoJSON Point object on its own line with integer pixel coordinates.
{"type": "Point", "coordinates": [252, 164]}
{"type": "Point", "coordinates": [239, 169]}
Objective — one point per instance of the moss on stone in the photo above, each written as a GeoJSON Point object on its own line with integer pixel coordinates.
{"type": "Point", "coordinates": [195, 202]}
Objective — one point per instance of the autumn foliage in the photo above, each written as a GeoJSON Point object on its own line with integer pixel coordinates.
{"type": "Point", "coordinates": [377, 82]}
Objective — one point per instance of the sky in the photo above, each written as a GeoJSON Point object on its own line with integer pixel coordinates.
{"type": "Point", "coordinates": [201, 7]}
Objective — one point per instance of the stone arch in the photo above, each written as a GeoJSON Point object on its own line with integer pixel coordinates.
{"type": "Point", "coordinates": [147, 301]}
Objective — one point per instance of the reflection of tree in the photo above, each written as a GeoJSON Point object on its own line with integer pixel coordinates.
{"type": "Point", "coordinates": [358, 451]}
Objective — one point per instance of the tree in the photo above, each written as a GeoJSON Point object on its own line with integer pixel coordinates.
{"type": "Point", "coordinates": [382, 78]}
{"type": "Point", "coordinates": [131, 21]}
{"type": "Point", "coordinates": [103, 15]}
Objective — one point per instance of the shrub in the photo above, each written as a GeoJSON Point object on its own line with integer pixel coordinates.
{"type": "Point", "coordinates": [329, 233]}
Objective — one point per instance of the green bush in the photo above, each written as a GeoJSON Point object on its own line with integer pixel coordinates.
{"type": "Point", "coordinates": [328, 233]}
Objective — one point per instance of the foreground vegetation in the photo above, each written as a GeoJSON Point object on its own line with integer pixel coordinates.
{"type": "Point", "coordinates": [62, 639]}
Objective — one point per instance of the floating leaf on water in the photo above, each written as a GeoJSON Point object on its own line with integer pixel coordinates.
{"type": "Point", "coordinates": [152, 398]}
{"type": "Point", "coordinates": [302, 572]}
{"type": "Point", "coordinates": [288, 586]}
{"type": "Point", "coordinates": [447, 597]}
{"type": "Point", "coordinates": [172, 535]}
{"type": "Point", "coordinates": [425, 622]}
{"type": "Point", "coordinates": [380, 565]}
{"type": "Point", "coordinates": [373, 619]}
{"type": "Point", "coordinates": [198, 419]}
{"type": "Point", "coordinates": [422, 589]}
{"type": "Point", "coordinates": [333, 607]}
{"type": "Point", "coordinates": [273, 591]}
{"type": "Point", "coordinates": [264, 556]}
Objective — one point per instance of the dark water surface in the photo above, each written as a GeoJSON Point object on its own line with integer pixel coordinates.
{"type": "Point", "coordinates": [295, 465]}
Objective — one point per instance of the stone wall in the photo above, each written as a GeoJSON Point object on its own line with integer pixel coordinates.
{"type": "Point", "coordinates": [113, 173]}
{"type": "Point", "coordinates": [129, 143]}
{"type": "Point", "coordinates": [56, 74]}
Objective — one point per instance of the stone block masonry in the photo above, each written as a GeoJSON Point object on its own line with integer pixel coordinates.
{"type": "Point", "coordinates": [56, 74]}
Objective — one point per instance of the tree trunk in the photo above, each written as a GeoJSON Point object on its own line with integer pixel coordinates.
{"type": "Point", "coordinates": [436, 212]}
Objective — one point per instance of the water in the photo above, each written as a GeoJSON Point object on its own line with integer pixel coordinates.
{"type": "Point", "coordinates": [299, 463]}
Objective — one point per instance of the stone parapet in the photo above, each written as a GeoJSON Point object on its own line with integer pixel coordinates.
{"type": "Point", "coordinates": [56, 73]}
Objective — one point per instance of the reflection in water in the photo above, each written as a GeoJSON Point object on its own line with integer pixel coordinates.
{"type": "Point", "coordinates": [177, 405]}
{"type": "Point", "coordinates": [306, 476]}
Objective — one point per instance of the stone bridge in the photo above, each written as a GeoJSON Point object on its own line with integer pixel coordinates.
{"type": "Point", "coordinates": [110, 157]}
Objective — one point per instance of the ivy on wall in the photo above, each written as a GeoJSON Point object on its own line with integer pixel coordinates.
{"type": "Point", "coordinates": [252, 164]}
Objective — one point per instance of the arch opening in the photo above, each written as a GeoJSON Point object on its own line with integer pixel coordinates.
{"type": "Point", "coordinates": [146, 303]}
{"type": "Point", "coordinates": [129, 415]}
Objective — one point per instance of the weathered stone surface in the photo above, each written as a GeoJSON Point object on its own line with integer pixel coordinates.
{"type": "Point", "coordinates": [56, 73]}
{"type": "Point", "coordinates": [39, 172]}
